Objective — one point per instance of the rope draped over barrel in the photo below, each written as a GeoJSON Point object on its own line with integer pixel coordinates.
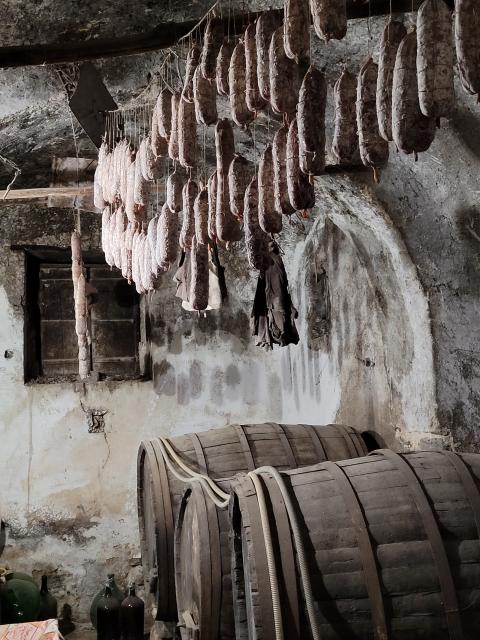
{"type": "Point", "coordinates": [390, 506]}
{"type": "Point", "coordinates": [220, 453]}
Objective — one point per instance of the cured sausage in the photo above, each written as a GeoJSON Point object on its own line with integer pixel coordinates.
{"type": "Point", "coordinates": [284, 77]}
{"type": "Point", "coordinates": [467, 43]}
{"type": "Point", "coordinates": [240, 174]}
{"type": "Point", "coordinates": [201, 216]}
{"type": "Point", "coordinates": [205, 99]}
{"type": "Point", "coordinates": [105, 219]}
{"type": "Point", "coordinates": [256, 240]}
{"type": "Point", "coordinates": [237, 82]}
{"type": "Point", "coordinates": [373, 148]}
{"type": "Point", "coordinates": [159, 143]}
{"type": "Point", "coordinates": [301, 192]}
{"type": "Point", "coordinates": [435, 59]}
{"type": "Point", "coordinates": [296, 29]}
{"type": "Point", "coordinates": [173, 140]}
{"type": "Point", "coordinates": [174, 191]}
{"type": "Point", "coordinates": [345, 138]}
{"type": "Point", "coordinates": [187, 134]}
{"type": "Point", "coordinates": [142, 187]}
{"type": "Point", "coordinates": [147, 159]}
{"type": "Point", "coordinates": [392, 35]}
{"type": "Point", "coordinates": [167, 238]}
{"type": "Point", "coordinates": [280, 186]}
{"type": "Point", "coordinates": [254, 100]}
{"type": "Point", "coordinates": [266, 24]}
{"type": "Point", "coordinates": [189, 193]}
{"type": "Point", "coordinates": [227, 227]}
{"type": "Point", "coordinates": [312, 102]}
{"type": "Point", "coordinates": [329, 18]}
{"type": "Point", "coordinates": [127, 161]}
{"type": "Point", "coordinates": [268, 217]}
{"type": "Point", "coordinates": [223, 65]}
{"type": "Point", "coordinates": [212, 186]}
{"type": "Point", "coordinates": [412, 131]}
{"type": "Point", "coordinates": [164, 113]}
{"type": "Point", "coordinates": [199, 276]}
{"type": "Point", "coordinates": [152, 242]}
{"type": "Point", "coordinates": [193, 58]}
{"type": "Point", "coordinates": [130, 199]}
{"type": "Point", "coordinates": [211, 46]}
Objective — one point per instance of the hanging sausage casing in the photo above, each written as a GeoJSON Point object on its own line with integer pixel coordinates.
{"type": "Point", "coordinates": [296, 29]}
{"type": "Point", "coordinates": [222, 67]}
{"type": "Point", "coordinates": [211, 46]}
{"type": "Point", "coordinates": [164, 113]}
{"type": "Point", "coordinates": [345, 138]}
{"type": "Point", "coordinates": [270, 221]}
{"type": "Point", "coordinates": [312, 102]}
{"type": "Point", "coordinates": [193, 58]}
{"type": "Point", "coordinates": [300, 191]}
{"type": "Point", "coordinates": [205, 99]}
{"type": "Point", "coordinates": [189, 193]}
{"type": "Point", "coordinates": [227, 227]}
{"type": "Point", "coordinates": [435, 59]}
{"type": "Point", "coordinates": [467, 42]}
{"type": "Point", "coordinates": [212, 187]}
{"type": "Point", "coordinates": [199, 276]}
{"type": "Point", "coordinates": [412, 131]}
{"type": "Point", "coordinates": [200, 209]}
{"type": "Point", "coordinates": [254, 100]}
{"type": "Point", "coordinates": [256, 240]}
{"type": "Point", "coordinates": [284, 77]}
{"type": "Point", "coordinates": [266, 24]}
{"type": "Point", "coordinates": [159, 143]}
{"type": "Point", "coordinates": [240, 174]}
{"type": "Point", "coordinates": [392, 35]}
{"type": "Point", "coordinates": [237, 82]}
{"type": "Point", "coordinates": [167, 237]}
{"type": "Point", "coordinates": [173, 140]}
{"type": "Point", "coordinates": [329, 18]}
{"type": "Point", "coordinates": [187, 134]}
{"type": "Point", "coordinates": [174, 191]}
{"type": "Point", "coordinates": [280, 186]}
{"type": "Point", "coordinates": [373, 148]}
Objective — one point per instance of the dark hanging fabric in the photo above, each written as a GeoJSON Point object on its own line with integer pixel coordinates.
{"type": "Point", "coordinates": [273, 314]}
{"type": "Point", "coordinates": [182, 277]}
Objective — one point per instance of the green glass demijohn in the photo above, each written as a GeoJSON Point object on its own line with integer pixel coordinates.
{"type": "Point", "coordinates": [132, 613]}
{"type": "Point", "coordinates": [108, 616]}
{"type": "Point", "coordinates": [20, 598]}
{"type": "Point", "coordinates": [117, 593]}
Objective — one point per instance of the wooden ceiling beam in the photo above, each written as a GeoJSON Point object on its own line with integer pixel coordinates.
{"type": "Point", "coordinates": [164, 36]}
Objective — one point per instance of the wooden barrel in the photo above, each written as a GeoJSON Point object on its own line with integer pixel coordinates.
{"type": "Point", "coordinates": [221, 453]}
{"type": "Point", "coordinates": [391, 542]}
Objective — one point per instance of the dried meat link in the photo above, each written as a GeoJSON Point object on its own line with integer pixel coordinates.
{"type": "Point", "coordinates": [256, 240]}
{"type": "Point", "coordinates": [435, 59]}
{"type": "Point", "coordinates": [189, 193]}
{"type": "Point", "coordinates": [300, 191]}
{"type": "Point", "coordinates": [146, 159]}
{"type": "Point", "coordinates": [392, 35]}
{"type": "Point", "coordinates": [76, 245]}
{"type": "Point", "coordinates": [98, 200]}
{"type": "Point", "coordinates": [266, 24]}
{"type": "Point", "coordinates": [174, 191]}
{"type": "Point", "coordinates": [237, 82]}
{"type": "Point", "coordinates": [345, 138]}
{"type": "Point", "coordinates": [127, 161]}
{"type": "Point", "coordinates": [467, 43]}
{"type": "Point", "coordinates": [105, 220]}
{"type": "Point", "coordinates": [312, 102]}
{"type": "Point", "coordinates": [147, 279]}
{"type": "Point", "coordinates": [212, 206]}
{"type": "Point", "coordinates": [152, 233]}
{"type": "Point", "coordinates": [130, 201]}
{"type": "Point", "coordinates": [187, 134]}
{"type": "Point", "coordinates": [199, 278]}
{"type": "Point", "coordinates": [193, 58]}
{"type": "Point", "coordinates": [240, 174]}
{"type": "Point", "coordinates": [204, 98]}
{"type": "Point", "coordinates": [254, 100]}
{"type": "Point", "coordinates": [412, 131]}
{"type": "Point", "coordinates": [164, 113]}
{"type": "Point", "coordinates": [173, 140]}
{"type": "Point", "coordinates": [159, 144]}
{"type": "Point", "coordinates": [284, 77]}
{"type": "Point", "coordinates": [211, 46]}
{"type": "Point", "coordinates": [223, 64]}
{"type": "Point", "coordinates": [142, 187]}
{"type": "Point", "coordinates": [280, 186]}
{"type": "Point", "coordinates": [224, 144]}
{"type": "Point", "coordinates": [227, 226]}
{"type": "Point", "coordinates": [270, 221]}
{"type": "Point", "coordinates": [373, 148]}
{"type": "Point", "coordinates": [329, 18]}
{"type": "Point", "coordinates": [201, 216]}
{"type": "Point", "coordinates": [296, 28]}
{"type": "Point", "coordinates": [167, 237]}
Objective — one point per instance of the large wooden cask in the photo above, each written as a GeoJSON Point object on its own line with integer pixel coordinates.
{"type": "Point", "coordinates": [220, 453]}
{"type": "Point", "coordinates": [391, 543]}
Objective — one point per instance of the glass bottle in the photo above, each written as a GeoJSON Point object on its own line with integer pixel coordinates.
{"type": "Point", "coordinates": [48, 603]}
{"type": "Point", "coordinates": [116, 592]}
{"type": "Point", "coordinates": [108, 616]}
{"type": "Point", "coordinates": [132, 616]}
